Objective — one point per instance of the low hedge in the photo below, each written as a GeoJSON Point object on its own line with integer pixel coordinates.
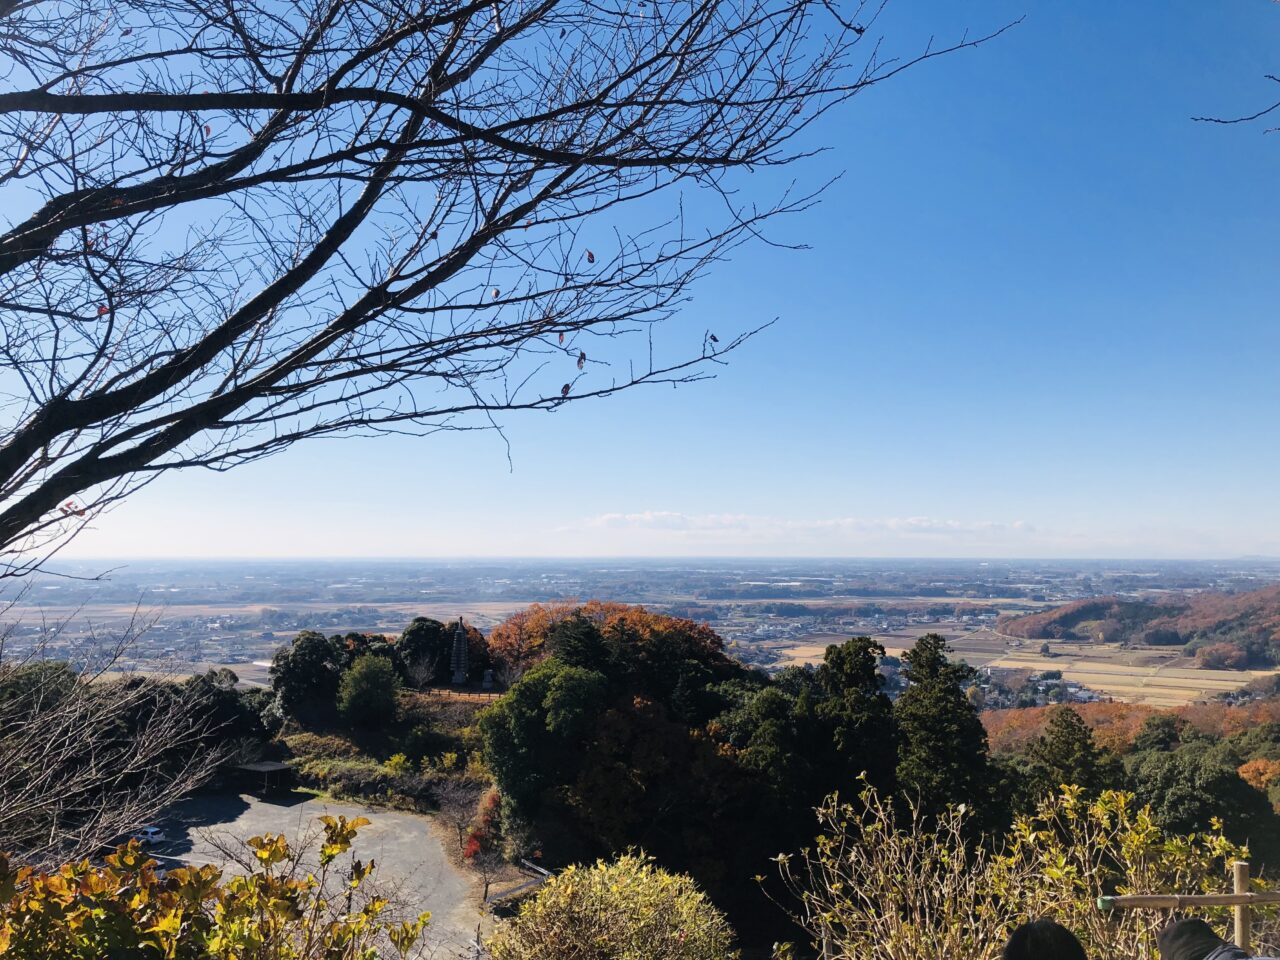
{"type": "Point", "coordinates": [370, 781]}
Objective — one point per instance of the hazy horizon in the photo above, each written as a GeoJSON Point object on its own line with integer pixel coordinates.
{"type": "Point", "coordinates": [652, 558]}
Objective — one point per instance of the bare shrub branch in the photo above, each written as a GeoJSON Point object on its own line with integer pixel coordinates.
{"type": "Point", "coordinates": [88, 755]}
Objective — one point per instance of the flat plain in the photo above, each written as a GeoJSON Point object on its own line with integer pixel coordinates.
{"type": "Point", "coordinates": [1157, 676]}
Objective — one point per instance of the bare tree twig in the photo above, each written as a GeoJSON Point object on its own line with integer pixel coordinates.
{"type": "Point", "coordinates": [233, 226]}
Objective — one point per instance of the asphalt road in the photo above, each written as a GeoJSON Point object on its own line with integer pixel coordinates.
{"type": "Point", "coordinates": [410, 857]}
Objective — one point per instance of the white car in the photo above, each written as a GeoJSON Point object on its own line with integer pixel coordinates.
{"type": "Point", "coordinates": [150, 835]}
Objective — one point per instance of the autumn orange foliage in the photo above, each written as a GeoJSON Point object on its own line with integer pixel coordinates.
{"type": "Point", "coordinates": [520, 641]}
{"type": "Point", "coordinates": [1116, 724]}
{"type": "Point", "coordinates": [516, 643]}
{"type": "Point", "coordinates": [1222, 656]}
{"type": "Point", "coordinates": [1259, 773]}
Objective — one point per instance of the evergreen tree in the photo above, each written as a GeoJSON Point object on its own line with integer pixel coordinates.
{"type": "Point", "coordinates": [942, 746]}
{"type": "Point", "coordinates": [576, 640]}
{"type": "Point", "coordinates": [1067, 754]}
{"type": "Point", "coordinates": [859, 713]}
{"type": "Point", "coordinates": [232, 715]}
{"type": "Point", "coordinates": [1160, 731]}
{"type": "Point", "coordinates": [367, 694]}
{"type": "Point", "coordinates": [1260, 742]}
{"type": "Point", "coordinates": [423, 652]}
{"type": "Point", "coordinates": [1197, 783]}
{"type": "Point", "coordinates": [534, 736]}
{"type": "Point", "coordinates": [775, 738]}
{"type": "Point", "coordinates": [304, 676]}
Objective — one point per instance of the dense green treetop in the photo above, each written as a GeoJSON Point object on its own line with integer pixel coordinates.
{"type": "Point", "coordinates": [423, 652]}
{"type": "Point", "coordinates": [305, 674]}
{"type": "Point", "coordinates": [367, 693]}
{"type": "Point", "coordinates": [858, 712]}
{"type": "Point", "coordinates": [1067, 754]}
{"type": "Point", "coordinates": [531, 736]}
{"type": "Point", "coordinates": [942, 753]}
{"type": "Point", "coordinates": [1192, 786]}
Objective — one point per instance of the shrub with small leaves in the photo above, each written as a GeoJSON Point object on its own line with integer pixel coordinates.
{"type": "Point", "coordinates": [276, 910]}
{"type": "Point", "coordinates": [625, 910]}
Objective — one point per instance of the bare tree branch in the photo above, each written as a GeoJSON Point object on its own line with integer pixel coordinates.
{"type": "Point", "coordinates": [230, 226]}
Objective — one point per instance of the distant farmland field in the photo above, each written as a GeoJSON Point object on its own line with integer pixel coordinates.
{"type": "Point", "coordinates": [119, 613]}
{"type": "Point", "coordinates": [1155, 676]}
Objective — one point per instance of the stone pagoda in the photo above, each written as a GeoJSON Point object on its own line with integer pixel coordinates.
{"type": "Point", "coordinates": [460, 656]}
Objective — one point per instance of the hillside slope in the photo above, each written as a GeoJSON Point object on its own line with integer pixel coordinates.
{"type": "Point", "coordinates": [1232, 629]}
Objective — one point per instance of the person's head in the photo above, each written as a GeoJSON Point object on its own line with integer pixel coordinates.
{"type": "Point", "coordinates": [1191, 939]}
{"type": "Point", "coordinates": [1043, 940]}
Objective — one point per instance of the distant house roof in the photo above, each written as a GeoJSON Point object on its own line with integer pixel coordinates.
{"type": "Point", "coordinates": [263, 766]}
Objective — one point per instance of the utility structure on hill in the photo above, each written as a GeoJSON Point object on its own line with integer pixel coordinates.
{"type": "Point", "coordinates": [459, 657]}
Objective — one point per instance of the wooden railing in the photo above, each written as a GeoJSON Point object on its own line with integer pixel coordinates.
{"type": "Point", "coordinates": [1241, 899]}
{"type": "Point", "coordinates": [454, 693]}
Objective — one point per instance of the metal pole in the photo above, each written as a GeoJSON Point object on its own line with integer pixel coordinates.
{"type": "Point", "coordinates": [1240, 875]}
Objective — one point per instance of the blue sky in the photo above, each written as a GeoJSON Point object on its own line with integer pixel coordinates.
{"type": "Point", "coordinates": [1037, 318]}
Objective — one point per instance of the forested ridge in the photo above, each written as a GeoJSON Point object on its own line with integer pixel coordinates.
{"type": "Point", "coordinates": [1223, 630]}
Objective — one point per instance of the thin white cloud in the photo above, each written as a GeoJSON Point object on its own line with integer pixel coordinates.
{"type": "Point", "coordinates": [729, 528]}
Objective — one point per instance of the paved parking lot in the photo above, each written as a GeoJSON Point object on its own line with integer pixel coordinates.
{"type": "Point", "coordinates": [409, 853]}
